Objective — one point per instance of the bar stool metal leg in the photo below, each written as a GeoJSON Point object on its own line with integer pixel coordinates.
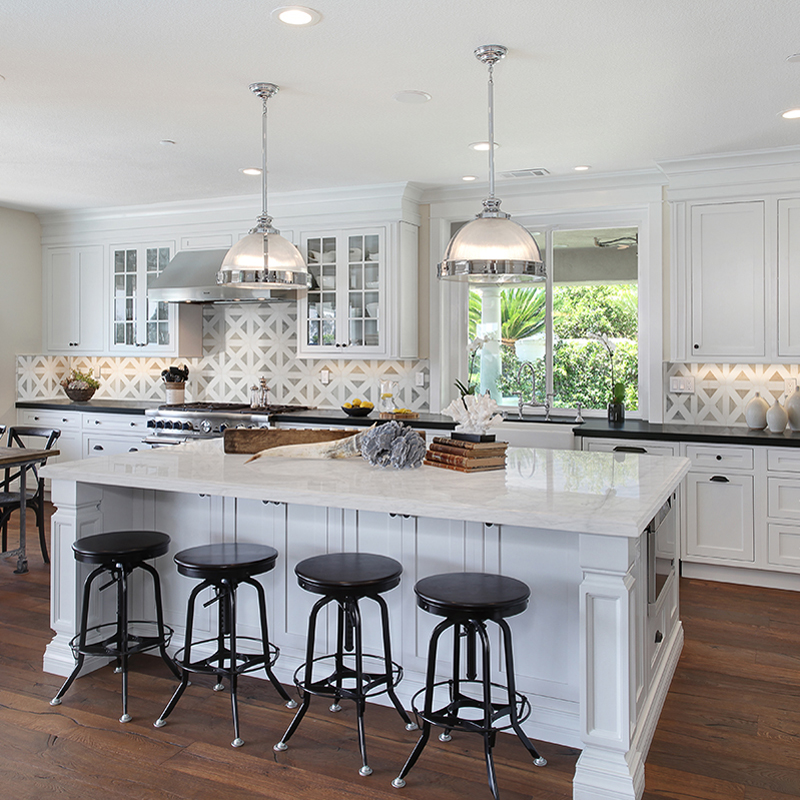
{"type": "Point", "coordinates": [387, 660]}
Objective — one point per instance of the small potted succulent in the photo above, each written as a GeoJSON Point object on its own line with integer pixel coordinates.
{"type": "Point", "coordinates": [80, 386]}
{"type": "Point", "coordinates": [616, 407]}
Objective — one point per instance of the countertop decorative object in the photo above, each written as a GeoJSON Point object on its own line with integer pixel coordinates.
{"type": "Point", "coordinates": [755, 413]}
{"type": "Point", "coordinates": [80, 386]}
{"type": "Point", "coordinates": [777, 418]}
{"type": "Point", "coordinates": [793, 409]}
{"type": "Point", "coordinates": [474, 413]}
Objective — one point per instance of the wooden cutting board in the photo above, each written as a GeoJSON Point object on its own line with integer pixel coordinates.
{"type": "Point", "coordinates": [254, 440]}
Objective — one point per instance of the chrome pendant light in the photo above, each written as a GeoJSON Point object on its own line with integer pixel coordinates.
{"type": "Point", "coordinates": [492, 248]}
{"type": "Point", "coordinates": [264, 259]}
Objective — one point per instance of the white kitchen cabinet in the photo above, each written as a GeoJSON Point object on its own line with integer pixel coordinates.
{"type": "Point", "coordinates": [74, 300]}
{"type": "Point", "coordinates": [727, 274]}
{"type": "Point", "coordinates": [69, 443]}
{"type": "Point", "coordinates": [140, 326]}
{"type": "Point", "coordinates": [788, 278]}
{"type": "Point", "coordinates": [641, 446]}
{"type": "Point", "coordinates": [362, 301]}
{"type": "Point", "coordinates": [112, 434]}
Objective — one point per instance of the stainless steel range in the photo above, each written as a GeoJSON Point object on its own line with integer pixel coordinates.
{"type": "Point", "coordinates": [196, 421]}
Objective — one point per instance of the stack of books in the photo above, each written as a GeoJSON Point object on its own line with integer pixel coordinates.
{"type": "Point", "coordinates": [464, 456]}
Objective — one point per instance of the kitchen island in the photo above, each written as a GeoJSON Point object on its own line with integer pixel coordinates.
{"type": "Point", "coordinates": [594, 657]}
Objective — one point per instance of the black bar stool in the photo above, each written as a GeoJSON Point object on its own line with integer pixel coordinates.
{"type": "Point", "coordinates": [346, 578]}
{"type": "Point", "coordinates": [223, 567]}
{"type": "Point", "coordinates": [119, 553]}
{"type": "Point", "coordinates": [468, 600]}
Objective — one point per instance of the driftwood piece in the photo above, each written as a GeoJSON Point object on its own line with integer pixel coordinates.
{"type": "Point", "coordinates": [254, 440]}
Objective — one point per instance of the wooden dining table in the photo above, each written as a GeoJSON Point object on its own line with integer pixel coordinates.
{"type": "Point", "coordinates": [22, 457]}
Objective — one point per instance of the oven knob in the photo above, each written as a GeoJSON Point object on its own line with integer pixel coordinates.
{"type": "Point", "coordinates": [222, 427]}
{"type": "Point", "coordinates": [205, 426]}
{"type": "Point", "coordinates": [168, 424]}
{"type": "Point", "coordinates": [187, 426]}
{"type": "Point", "coordinates": [151, 423]}
{"type": "Point", "coordinates": [160, 423]}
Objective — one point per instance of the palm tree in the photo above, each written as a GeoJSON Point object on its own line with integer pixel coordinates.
{"type": "Point", "coordinates": [522, 313]}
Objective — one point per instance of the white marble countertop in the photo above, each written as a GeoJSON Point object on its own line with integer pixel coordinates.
{"type": "Point", "coordinates": [589, 492]}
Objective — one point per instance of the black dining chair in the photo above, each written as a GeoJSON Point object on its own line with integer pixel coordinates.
{"type": "Point", "coordinates": [10, 501]}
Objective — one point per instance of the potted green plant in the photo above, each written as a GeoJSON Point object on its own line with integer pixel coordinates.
{"type": "Point", "coordinates": [80, 386]}
{"type": "Point", "coordinates": [616, 406]}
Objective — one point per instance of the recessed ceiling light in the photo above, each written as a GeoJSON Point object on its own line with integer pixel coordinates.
{"type": "Point", "coordinates": [167, 141]}
{"type": "Point", "coordinates": [581, 168]}
{"type": "Point", "coordinates": [484, 146]}
{"type": "Point", "coordinates": [250, 170]}
{"type": "Point", "coordinates": [296, 15]}
{"type": "Point", "coordinates": [411, 96]}
{"type": "Point", "coordinates": [794, 58]}
{"type": "Point", "coordinates": [792, 113]}
{"type": "Point", "coordinates": [469, 178]}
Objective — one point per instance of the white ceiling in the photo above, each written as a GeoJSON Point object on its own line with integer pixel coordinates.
{"type": "Point", "coordinates": [90, 88]}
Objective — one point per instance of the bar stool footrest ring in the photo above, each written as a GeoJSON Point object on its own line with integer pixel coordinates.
{"type": "Point", "coordinates": [374, 681]}
{"type": "Point", "coordinates": [111, 647]}
{"type": "Point", "coordinates": [450, 715]}
{"type": "Point", "coordinates": [245, 662]}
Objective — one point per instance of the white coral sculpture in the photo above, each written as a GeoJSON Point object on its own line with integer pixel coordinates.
{"type": "Point", "coordinates": [474, 413]}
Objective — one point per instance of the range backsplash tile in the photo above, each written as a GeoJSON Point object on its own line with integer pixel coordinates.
{"type": "Point", "coordinates": [241, 343]}
{"type": "Point", "coordinates": [721, 391]}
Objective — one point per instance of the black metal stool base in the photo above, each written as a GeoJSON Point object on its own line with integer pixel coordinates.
{"type": "Point", "coordinates": [468, 601]}
{"type": "Point", "coordinates": [223, 568]}
{"type": "Point", "coordinates": [118, 554]}
{"type": "Point", "coordinates": [347, 578]}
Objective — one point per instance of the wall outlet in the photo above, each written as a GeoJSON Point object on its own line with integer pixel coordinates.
{"type": "Point", "coordinates": [419, 379]}
{"type": "Point", "coordinates": [789, 385]}
{"type": "Point", "coordinates": [678, 385]}
{"type": "Point", "coordinates": [325, 376]}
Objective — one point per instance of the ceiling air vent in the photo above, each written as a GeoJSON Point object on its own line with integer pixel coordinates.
{"type": "Point", "coordinates": [535, 172]}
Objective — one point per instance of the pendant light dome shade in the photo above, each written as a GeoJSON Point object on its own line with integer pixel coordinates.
{"type": "Point", "coordinates": [492, 248]}
{"type": "Point", "coordinates": [264, 259]}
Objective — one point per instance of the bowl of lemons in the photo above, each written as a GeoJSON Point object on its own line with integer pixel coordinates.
{"type": "Point", "coordinates": [357, 408]}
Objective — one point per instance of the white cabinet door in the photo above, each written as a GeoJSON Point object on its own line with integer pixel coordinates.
{"type": "Point", "coordinates": [74, 300]}
{"type": "Point", "coordinates": [68, 422]}
{"type": "Point", "coordinates": [727, 281]}
{"type": "Point", "coordinates": [719, 516]}
{"type": "Point", "coordinates": [788, 277]}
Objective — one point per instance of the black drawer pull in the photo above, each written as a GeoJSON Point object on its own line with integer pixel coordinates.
{"type": "Point", "coordinates": [719, 479]}
{"type": "Point", "coordinates": [98, 447]}
{"type": "Point", "coordinates": [622, 449]}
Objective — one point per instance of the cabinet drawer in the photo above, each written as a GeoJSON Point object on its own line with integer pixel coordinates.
{"type": "Point", "coordinates": [110, 445]}
{"type": "Point", "coordinates": [720, 456]}
{"type": "Point", "coordinates": [783, 459]}
{"type": "Point", "coordinates": [115, 422]}
{"type": "Point", "coordinates": [50, 418]}
{"type": "Point", "coordinates": [645, 447]}
{"type": "Point", "coordinates": [783, 498]}
{"type": "Point", "coordinates": [783, 545]}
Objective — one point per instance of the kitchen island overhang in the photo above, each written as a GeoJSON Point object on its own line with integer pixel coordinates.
{"type": "Point", "coordinates": [567, 523]}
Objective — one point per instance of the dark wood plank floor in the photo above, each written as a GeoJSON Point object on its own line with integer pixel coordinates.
{"type": "Point", "coordinates": [730, 728]}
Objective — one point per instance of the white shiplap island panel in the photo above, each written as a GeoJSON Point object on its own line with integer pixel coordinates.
{"type": "Point", "coordinates": [568, 523]}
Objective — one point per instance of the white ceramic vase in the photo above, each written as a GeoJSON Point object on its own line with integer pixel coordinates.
{"type": "Point", "coordinates": [755, 413]}
{"type": "Point", "coordinates": [793, 409]}
{"type": "Point", "coordinates": [777, 418]}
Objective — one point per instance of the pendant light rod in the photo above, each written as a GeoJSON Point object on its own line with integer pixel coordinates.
{"type": "Point", "coordinates": [264, 91]}
{"type": "Point", "coordinates": [490, 54]}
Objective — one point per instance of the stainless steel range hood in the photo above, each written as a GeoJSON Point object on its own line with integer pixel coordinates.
{"type": "Point", "coordinates": [191, 277]}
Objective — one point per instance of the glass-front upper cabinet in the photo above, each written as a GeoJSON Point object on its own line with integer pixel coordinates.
{"type": "Point", "coordinates": [137, 321]}
{"type": "Point", "coordinates": [343, 312]}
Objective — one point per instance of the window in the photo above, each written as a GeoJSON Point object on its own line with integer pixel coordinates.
{"type": "Point", "coordinates": [587, 311]}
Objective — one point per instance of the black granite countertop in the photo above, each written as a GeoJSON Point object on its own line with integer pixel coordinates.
{"type": "Point", "coordinates": [95, 405]}
{"type": "Point", "coordinates": [335, 416]}
{"type": "Point", "coordinates": [672, 432]}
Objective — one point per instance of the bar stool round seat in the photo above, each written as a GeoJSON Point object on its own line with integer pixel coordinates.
{"type": "Point", "coordinates": [349, 673]}
{"type": "Point", "coordinates": [223, 567]}
{"type": "Point", "coordinates": [118, 553]}
{"type": "Point", "coordinates": [470, 701]}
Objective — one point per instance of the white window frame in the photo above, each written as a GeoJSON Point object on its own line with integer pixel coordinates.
{"type": "Point", "coordinates": [449, 331]}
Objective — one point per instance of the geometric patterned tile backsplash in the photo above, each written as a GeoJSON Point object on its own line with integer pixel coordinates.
{"type": "Point", "coordinates": [240, 344]}
{"type": "Point", "coordinates": [721, 391]}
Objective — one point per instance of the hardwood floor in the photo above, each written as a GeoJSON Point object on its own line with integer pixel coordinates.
{"type": "Point", "coordinates": [730, 728]}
